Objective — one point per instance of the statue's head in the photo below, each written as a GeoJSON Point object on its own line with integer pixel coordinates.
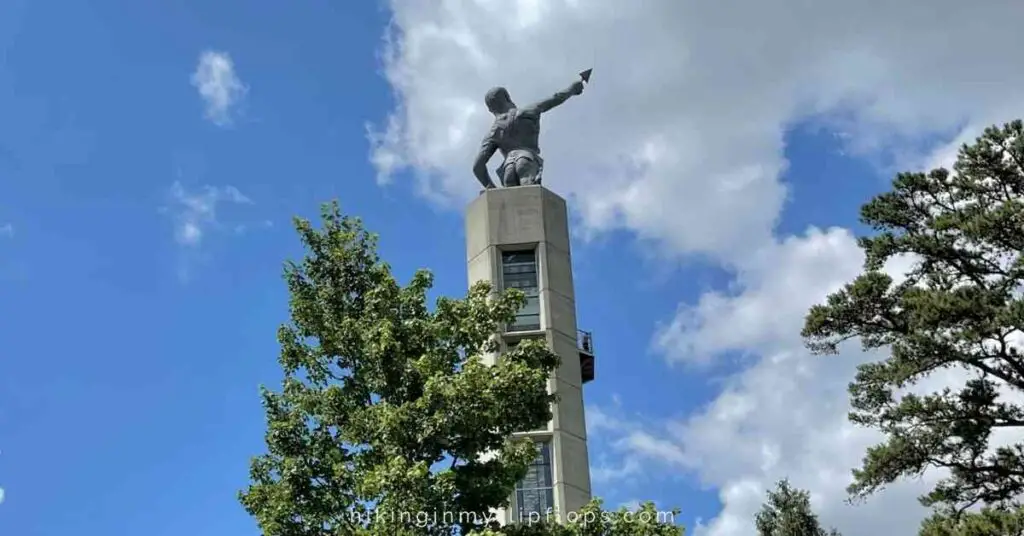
{"type": "Point", "coordinates": [498, 101]}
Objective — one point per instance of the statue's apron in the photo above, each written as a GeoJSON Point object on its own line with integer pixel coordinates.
{"type": "Point", "coordinates": [517, 155]}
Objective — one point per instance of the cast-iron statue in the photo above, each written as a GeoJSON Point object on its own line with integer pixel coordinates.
{"type": "Point", "coordinates": [515, 133]}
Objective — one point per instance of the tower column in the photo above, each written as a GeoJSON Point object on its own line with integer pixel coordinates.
{"type": "Point", "coordinates": [519, 238]}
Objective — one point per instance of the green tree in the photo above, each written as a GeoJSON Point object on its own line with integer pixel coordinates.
{"type": "Point", "coordinates": [386, 409]}
{"type": "Point", "coordinates": [987, 522]}
{"type": "Point", "coordinates": [788, 513]}
{"type": "Point", "coordinates": [959, 308]}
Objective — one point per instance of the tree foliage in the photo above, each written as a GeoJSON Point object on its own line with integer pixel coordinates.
{"type": "Point", "coordinates": [787, 512]}
{"type": "Point", "coordinates": [386, 409]}
{"type": "Point", "coordinates": [379, 391]}
{"type": "Point", "coordinates": [959, 310]}
{"type": "Point", "coordinates": [987, 522]}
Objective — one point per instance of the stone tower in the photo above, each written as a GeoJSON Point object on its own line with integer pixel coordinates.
{"type": "Point", "coordinates": [519, 238]}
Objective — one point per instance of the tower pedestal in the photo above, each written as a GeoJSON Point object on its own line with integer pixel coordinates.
{"type": "Point", "coordinates": [519, 238]}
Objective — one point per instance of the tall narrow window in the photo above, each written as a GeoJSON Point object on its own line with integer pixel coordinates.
{"type": "Point", "coordinates": [519, 271]}
{"type": "Point", "coordinates": [535, 496]}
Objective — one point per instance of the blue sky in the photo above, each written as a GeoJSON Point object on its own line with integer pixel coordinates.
{"type": "Point", "coordinates": [143, 231]}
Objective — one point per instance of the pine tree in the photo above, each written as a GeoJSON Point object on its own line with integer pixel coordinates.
{"type": "Point", "coordinates": [987, 522]}
{"type": "Point", "coordinates": [787, 512]}
{"type": "Point", "coordinates": [959, 309]}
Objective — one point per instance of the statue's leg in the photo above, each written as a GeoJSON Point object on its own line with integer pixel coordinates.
{"type": "Point", "coordinates": [528, 170]}
{"type": "Point", "coordinates": [510, 178]}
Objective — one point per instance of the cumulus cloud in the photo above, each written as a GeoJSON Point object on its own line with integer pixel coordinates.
{"type": "Point", "coordinates": [679, 139]}
{"type": "Point", "coordinates": [602, 426]}
{"type": "Point", "coordinates": [680, 136]}
{"type": "Point", "coordinates": [763, 313]}
{"type": "Point", "coordinates": [785, 414]}
{"type": "Point", "coordinates": [195, 212]}
{"type": "Point", "coordinates": [218, 86]}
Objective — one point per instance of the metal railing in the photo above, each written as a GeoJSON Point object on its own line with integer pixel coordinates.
{"type": "Point", "coordinates": [585, 341]}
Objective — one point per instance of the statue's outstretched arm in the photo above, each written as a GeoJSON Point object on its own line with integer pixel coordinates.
{"type": "Point", "coordinates": [558, 98]}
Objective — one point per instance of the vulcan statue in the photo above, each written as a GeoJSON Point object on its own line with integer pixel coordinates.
{"type": "Point", "coordinates": [515, 133]}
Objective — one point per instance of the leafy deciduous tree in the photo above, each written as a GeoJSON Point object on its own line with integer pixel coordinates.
{"type": "Point", "coordinates": [386, 410]}
{"type": "Point", "coordinates": [379, 391]}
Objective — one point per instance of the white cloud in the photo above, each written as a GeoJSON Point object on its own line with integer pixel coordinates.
{"type": "Point", "coordinates": [243, 228]}
{"type": "Point", "coordinates": [631, 505]}
{"type": "Point", "coordinates": [763, 311]}
{"type": "Point", "coordinates": [679, 139]}
{"type": "Point", "coordinates": [609, 469]}
{"type": "Point", "coordinates": [785, 414]}
{"type": "Point", "coordinates": [605, 472]}
{"type": "Point", "coordinates": [7, 230]}
{"type": "Point", "coordinates": [195, 212]}
{"type": "Point", "coordinates": [218, 86]}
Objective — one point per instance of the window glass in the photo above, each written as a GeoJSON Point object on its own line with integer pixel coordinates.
{"type": "Point", "coordinates": [519, 271]}
{"type": "Point", "coordinates": [534, 493]}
